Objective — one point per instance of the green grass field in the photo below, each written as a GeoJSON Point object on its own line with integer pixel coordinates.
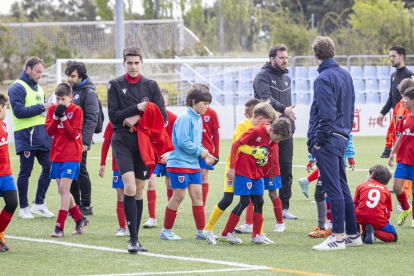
{"type": "Point", "coordinates": [291, 253]}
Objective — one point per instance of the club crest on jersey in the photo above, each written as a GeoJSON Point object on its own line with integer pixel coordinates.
{"type": "Point", "coordinates": [230, 182]}
{"type": "Point", "coordinates": [124, 90]}
{"type": "Point", "coordinates": [144, 100]}
{"type": "Point", "coordinates": [166, 124]}
{"type": "Point", "coordinates": [206, 118]}
{"type": "Point", "coordinates": [70, 115]}
{"type": "Point", "coordinates": [249, 185]}
{"type": "Point", "coordinates": [115, 179]}
{"type": "Point", "coordinates": [258, 139]}
{"type": "Point", "coordinates": [181, 178]}
{"type": "Point", "coordinates": [27, 154]}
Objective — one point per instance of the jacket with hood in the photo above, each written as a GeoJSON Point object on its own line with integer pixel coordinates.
{"type": "Point", "coordinates": [90, 110]}
{"type": "Point", "coordinates": [32, 138]}
{"type": "Point", "coordinates": [273, 84]}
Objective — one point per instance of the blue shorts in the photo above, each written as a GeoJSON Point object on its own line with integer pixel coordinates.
{"type": "Point", "coordinates": [404, 172]}
{"type": "Point", "coordinates": [389, 228]}
{"type": "Point", "coordinates": [7, 183]}
{"type": "Point", "coordinates": [182, 180]}
{"type": "Point", "coordinates": [203, 164]}
{"type": "Point", "coordinates": [117, 180]}
{"type": "Point", "coordinates": [246, 186]}
{"type": "Point", "coordinates": [65, 169]}
{"type": "Point", "coordinates": [161, 170]}
{"type": "Point", "coordinates": [272, 185]}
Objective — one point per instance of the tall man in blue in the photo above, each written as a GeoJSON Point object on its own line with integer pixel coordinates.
{"type": "Point", "coordinates": [27, 101]}
{"type": "Point", "coordinates": [330, 123]}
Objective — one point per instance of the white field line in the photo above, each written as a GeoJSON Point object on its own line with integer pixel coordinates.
{"type": "Point", "coordinates": [101, 248]}
{"type": "Point", "coordinates": [179, 272]}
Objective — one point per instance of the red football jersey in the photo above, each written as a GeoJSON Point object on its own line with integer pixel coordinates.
{"type": "Point", "coordinates": [171, 118]}
{"type": "Point", "coordinates": [108, 135]}
{"type": "Point", "coordinates": [64, 148]}
{"type": "Point", "coordinates": [373, 204]}
{"type": "Point", "coordinates": [246, 164]}
{"type": "Point", "coordinates": [5, 168]}
{"type": "Point", "coordinates": [272, 167]}
{"type": "Point", "coordinates": [210, 123]}
{"type": "Point", "coordinates": [405, 151]}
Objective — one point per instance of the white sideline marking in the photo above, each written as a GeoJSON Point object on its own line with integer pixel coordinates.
{"type": "Point", "coordinates": [102, 248]}
{"type": "Point", "coordinates": [179, 272]}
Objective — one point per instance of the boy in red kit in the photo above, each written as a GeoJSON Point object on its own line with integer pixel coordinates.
{"type": "Point", "coordinates": [116, 181]}
{"type": "Point", "coordinates": [247, 174]}
{"type": "Point", "coordinates": [7, 185]}
{"type": "Point", "coordinates": [64, 124]}
{"type": "Point", "coordinates": [160, 169]}
{"type": "Point", "coordinates": [405, 157]}
{"type": "Point", "coordinates": [373, 206]}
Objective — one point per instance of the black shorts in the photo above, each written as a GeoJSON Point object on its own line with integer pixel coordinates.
{"type": "Point", "coordinates": [125, 149]}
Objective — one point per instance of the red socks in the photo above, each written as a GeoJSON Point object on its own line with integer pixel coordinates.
{"type": "Point", "coordinates": [199, 217]}
{"type": "Point", "coordinates": [249, 214]}
{"type": "Point", "coordinates": [385, 236]}
{"type": "Point", "coordinates": [313, 176]}
{"type": "Point", "coordinates": [5, 218]}
{"type": "Point", "coordinates": [152, 198]}
{"type": "Point", "coordinates": [277, 208]}
{"type": "Point", "coordinates": [205, 192]}
{"type": "Point", "coordinates": [75, 213]}
{"type": "Point", "coordinates": [231, 224]}
{"type": "Point", "coordinates": [328, 210]}
{"type": "Point", "coordinates": [60, 222]}
{"type": "Point", "coordinates": [169, 194]}
{"type": "Point", "coordinates": [257, 223]}
{"type": "Point", "coordinates": [121, 214]}
{"type": "Point", "coordinates": [402, 199]}
{"type": "Point", "coordinates": [169, 218]}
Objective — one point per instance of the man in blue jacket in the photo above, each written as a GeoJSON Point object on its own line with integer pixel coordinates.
{"type": "Point", "coordinates": [27, 101]}
{"type": "Point", "coordinates": [330, 124]}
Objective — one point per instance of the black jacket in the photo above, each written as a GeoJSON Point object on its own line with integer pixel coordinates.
{"type": "Point", "coordinates": [274, 85]}
{"type": "Point", "coordinates": [395, 95]}
{"type": "Point", "coordinates": [90, 108]}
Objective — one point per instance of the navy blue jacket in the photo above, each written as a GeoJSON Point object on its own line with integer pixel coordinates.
{"type": "Point", "coordinates": [33, 138]}
{"type": "Point", "coordinates": [332, 110]}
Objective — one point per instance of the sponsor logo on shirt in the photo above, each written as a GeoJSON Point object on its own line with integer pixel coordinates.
{"type": "Point", "coordinates": [206, 118]}
{"type": "Point", "coordinates": [286, 83]}
{"type": "Point", "coordinates": [3, 141]}
{"type": "Point", "coordinates": [145, 99]}
{"type": "Point", "coordinates": [60, 125]}
{"type": "Point", "coordinates": [407, 131]}
{"type": "Point", "coordinates": [249, 185]}
{"type": "Point", "coordinates": [181, 178]}
{"type": "Point", "coordinates": [258, 139]}
{"type": "Point", "coordinates": [27, 154]}
{"type": "Point", "coordinates": [124, 90]}
{"type": "Point", "coordinates": [115, 179]}
{"type": "Point", "coordinates": [145, 173]}
{"type": "Point", "coordinates": [230, 182]}
{"type": "Point", "coordinates": [5, 129]}
{"type": "Point", "coordinates": [273, 81]}
{"type": "Point", "coordinates": [70, 115]}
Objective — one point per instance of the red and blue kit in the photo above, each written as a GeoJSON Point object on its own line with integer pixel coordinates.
{"type": "Point", "coordinates": [6, 177]}
{"type": "Point", "coordinates": [272, 169]}
{"type": "Point", "coordinates": [405, 156]}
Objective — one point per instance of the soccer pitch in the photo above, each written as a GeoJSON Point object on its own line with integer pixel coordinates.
{"type": "Point", "coordinates": [98, 252]}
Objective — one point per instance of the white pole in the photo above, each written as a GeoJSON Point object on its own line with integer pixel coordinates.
{"type": "Point", "coordinates": [119, 34]}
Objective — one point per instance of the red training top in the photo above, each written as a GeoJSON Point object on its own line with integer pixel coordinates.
{"type": "Point", "coordinates": [211, 136]}
{"type": "Point", "coordinates": [105, 146]}
{"type": "Point", "coordinates": [405, 151]}
{"type": "Point", "coordinates": [5, 168]}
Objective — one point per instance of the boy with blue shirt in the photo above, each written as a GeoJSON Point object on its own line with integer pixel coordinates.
{"type": "Point", "coordinates": [183, 165]}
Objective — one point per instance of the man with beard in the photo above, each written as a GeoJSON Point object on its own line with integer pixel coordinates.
{"type": "Point", "coordinates": [272, 83]}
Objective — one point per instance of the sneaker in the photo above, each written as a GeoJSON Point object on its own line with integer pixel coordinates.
{"type": "Point", "coordinates": [403, 216]}
{"type": "Point", "coordinates": [2, 249]}
{"type": "Point", "coordinates": [80, 225]}
{"type": "Point", "coordinates": [304, 185]}
{"type": "Point", "coordinates": [210, 238]}
{"type": "Point", "coordinates": [121, 232]}
{"type": "Point", "coordinates": [41, 210]}
{"type": "Point", "coordinates": [244, 229]}
{"type": "Point", "coordinates": [328, 225]}
{"type": "Point", "coordinates": [151, 223]}
{"type": "Point", "coordinates": [86, 211]}
{"type": "Point", "coordinates": [320, 233]}
{"type": "Point", "coordinates": [200, 235]}
{"type": "Point", "coordinates": [258, 240]}
{"type": "Point", "coordinates": [141, 248]}
{"type": "Point", "coordinates": [3, 244]}
{"type": "Point", "coordinates": [287, 215]}
{"type": "Point", "coordinates": [58, 233]}
{"type": "Point", "coordinates": [168, 234]}
{"type": "Point", "coordinates": [133, 246]}
{"type": "Point", "coordinates": [25, 213]}
{"type": "Point", "coordinates": [269, 241]}
{"type": "Point", "coordinates": [399, 208]}
{"type": "Point", "coordinates": [369, 236]}
{"type": "Point", "coordinates": [330, 244]}
{"type": "Point", "coordinates": [412, 223]}
{"type": "Point", "coordinates": [353, 240]}
{"type": "Point", "coordinates": [280, 227]}
{"type": "Point", "coordinates": [230, 238]}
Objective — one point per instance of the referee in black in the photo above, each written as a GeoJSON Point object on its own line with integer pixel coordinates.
{"type": "Point", "coordinates": [127, 96]}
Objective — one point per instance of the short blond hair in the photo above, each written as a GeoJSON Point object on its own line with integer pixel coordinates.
{"type": "Point", "coordinates": [405, 84]}
{"type": "Point", "coordinates": [324, 47]}
{"type": "Point", "coordinates": [266, 110]}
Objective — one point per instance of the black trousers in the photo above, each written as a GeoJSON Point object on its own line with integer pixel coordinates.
{"type": "Point", "coordinates": [81, 188]}
{"type": "Point", "coordinates": [285, 163]}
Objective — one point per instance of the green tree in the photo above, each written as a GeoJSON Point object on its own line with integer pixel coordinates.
{"type": "Point", "coordinates": [105, 9]}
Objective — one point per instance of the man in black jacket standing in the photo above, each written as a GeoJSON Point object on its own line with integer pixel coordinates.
{"type": "Point", "coordinates": [84, 95]}
{"type": "Point", "coordinates": [272, 83]}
